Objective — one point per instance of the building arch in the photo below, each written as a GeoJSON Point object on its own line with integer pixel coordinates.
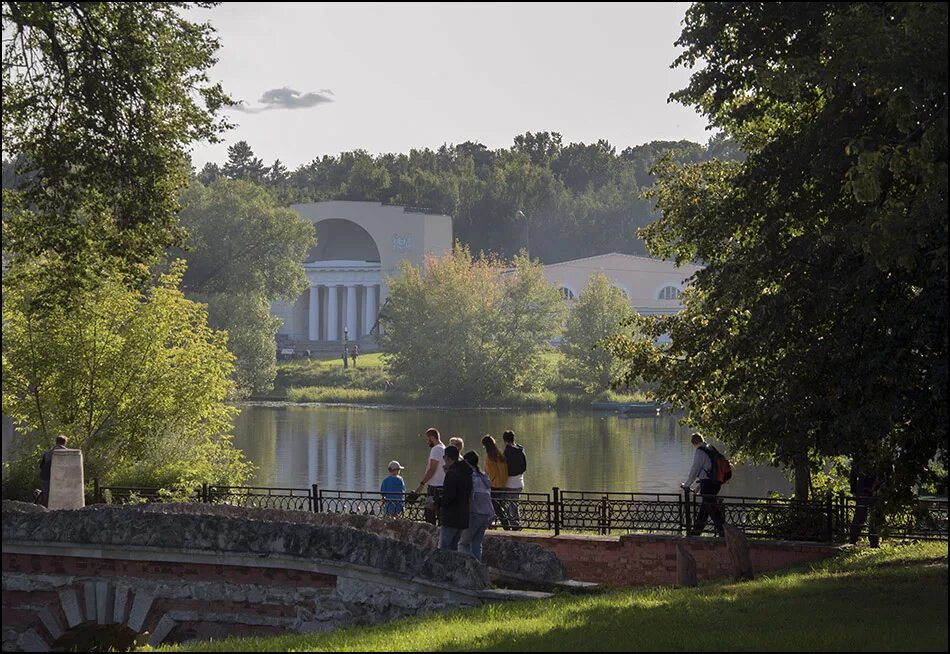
{"type": "Point", "coordinates": [339, 239]}
{"type": "Point", "coordinates": [567, 293]}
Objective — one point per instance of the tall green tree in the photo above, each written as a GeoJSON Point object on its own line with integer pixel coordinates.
{"type": "Point", "coordinates": [103, 99]}
{"type": "Point", "coordinates": [243, 252]}
{"type": "Point", "coordinates": [469, 330]}
{"type": "Point", "coordinates": [599, 313]}
{"type": "Point", "coordinates": [243, 165]}
{"type": "Point", "coordinates": [819, 325]}
{"type": "Point", "coordinates": [136, 379]}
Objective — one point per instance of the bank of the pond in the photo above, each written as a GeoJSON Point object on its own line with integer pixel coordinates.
{"type": "Point", "coordinates": [890, 599]}
{"type": "Point", "coordinates": [326, 381]}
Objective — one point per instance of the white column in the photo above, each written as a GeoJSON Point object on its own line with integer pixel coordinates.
{"type": "Point", "coordinates": [313, 324]}
{"type": "Point", "coordinates": [369, 314]}
{"type": "Point", "coordinates": [332, 313]}
{"type": "Point", "coordinates": [351, 311]}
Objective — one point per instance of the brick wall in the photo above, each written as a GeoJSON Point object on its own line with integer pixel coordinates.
{"type": "Point", "coordinates": [640, 560]}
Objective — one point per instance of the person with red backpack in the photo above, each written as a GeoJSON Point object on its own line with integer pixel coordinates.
{"type": "Point", "coordinates": [712, 470]}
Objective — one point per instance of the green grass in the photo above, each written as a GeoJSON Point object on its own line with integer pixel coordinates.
{"type": "Point", "coordinates": [336, 394]}
{"type": "Point", "coordinates": [877, 600]}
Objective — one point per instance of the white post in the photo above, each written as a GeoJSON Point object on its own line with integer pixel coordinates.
{"type": "Point", "coordinates": [313, 326]}
{"type": "Point", "coordinates": [332, 313]}
{"type": "Point", "coordinates": [351, 311]}
{"type": "Point", "coordinates": [369, 291]}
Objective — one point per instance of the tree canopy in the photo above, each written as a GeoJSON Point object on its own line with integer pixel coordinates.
{"type": "Point", "coordinates": [136, 379]}
{"type": "Point", "coordinates": [468, 330]}
{"type": "Point", "coordinates": [243, 251]}
{"type": "Point", "coordinates": [100, 100]}
{"type": "Point", "coordinates": [818, 327]}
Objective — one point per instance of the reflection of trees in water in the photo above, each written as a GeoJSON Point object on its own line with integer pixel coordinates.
{"type": "Point", "coordinates": [349, 447]}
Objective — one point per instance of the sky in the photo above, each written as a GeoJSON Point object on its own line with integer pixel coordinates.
{"type": "Point", "coordinates": [318, 79]}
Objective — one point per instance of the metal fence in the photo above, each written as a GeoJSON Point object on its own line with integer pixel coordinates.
{"type": "Point", "coordinates": [825, 520]}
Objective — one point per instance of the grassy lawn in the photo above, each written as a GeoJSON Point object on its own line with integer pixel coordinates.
{"type": "Point", "coordinates": [874, 600]}
{"type": "Point", "coordinates": [325, 380]}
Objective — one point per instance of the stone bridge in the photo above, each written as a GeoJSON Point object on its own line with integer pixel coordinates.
{"type": "Point", "coordinates": [119, 576]}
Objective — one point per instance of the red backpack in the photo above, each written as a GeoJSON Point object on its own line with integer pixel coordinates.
{"type": "Point", "coordinates": [721, 468]}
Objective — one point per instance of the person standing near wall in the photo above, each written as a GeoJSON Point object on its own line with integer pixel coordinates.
{"type": "Point", "coordinates": [454, 501]}
{"type": "Point", "coordinates": [702, 470]}
{"type": "Point", "coordinates": [517, 465]}
{"type": "Point", "coordinates": [434, 476]}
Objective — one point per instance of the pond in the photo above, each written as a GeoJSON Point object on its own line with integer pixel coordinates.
{"type": "Point", "coordinates": [349, 447]}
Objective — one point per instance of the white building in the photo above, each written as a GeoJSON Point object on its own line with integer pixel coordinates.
{"type": "Point", "coordinates": [652, 286]}
{"type": "Point", "coordinates": [359, 244]}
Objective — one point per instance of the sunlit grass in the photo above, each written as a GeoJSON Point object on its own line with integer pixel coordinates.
{"type": "Point", "coordinates": [889, 599]}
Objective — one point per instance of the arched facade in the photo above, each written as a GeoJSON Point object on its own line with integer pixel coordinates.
{"type": "Point", "coordinates": [359, 245]}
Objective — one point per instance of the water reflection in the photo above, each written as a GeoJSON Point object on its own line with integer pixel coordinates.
{"type": "Point", "coordinates": [349, 447]}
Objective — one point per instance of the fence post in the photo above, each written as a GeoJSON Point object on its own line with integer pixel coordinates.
{"type": "Point", "coordinates": [96, 491]}
{"type": "Point", "coordinates": [557, 510]}
{"type": "Point", "coordinates": [831, 512]}
{"type": "Point", "coordinates": [314, 493]}
{"type": "Point", "coordinates": [687, 512]}
{"type": "Point", "coordinates": [205, 493]}
{"type": "Point", "coordinates": [604, 526]}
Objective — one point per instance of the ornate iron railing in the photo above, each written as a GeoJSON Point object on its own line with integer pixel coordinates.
{"type": "Point", "coordinates": [826, 520]}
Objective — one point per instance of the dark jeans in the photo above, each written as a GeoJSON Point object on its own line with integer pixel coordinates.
{"type": "Point", "coordinates": [865, 506]}
{"type": "Point", "coordinates": [499, 501]}
{"type": "Point", "coordinates": [432, 514]}
{"type": "Point", "coordinates": [709, 508]}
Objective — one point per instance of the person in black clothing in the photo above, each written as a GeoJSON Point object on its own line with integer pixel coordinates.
{"type": "Point", "coordinates": [46, 465]}
{"type": "Point", "coordinates": [517, 465]}
{"type": "Point", "coordinates": [454, 501]}
{"type": "Point", "coordinates": [865, 482]}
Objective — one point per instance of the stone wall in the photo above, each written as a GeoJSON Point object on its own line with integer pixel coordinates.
{"type": "Point", "coordinates": [173, 573]}
{"type": "Point", "coordinates": [643, 560]}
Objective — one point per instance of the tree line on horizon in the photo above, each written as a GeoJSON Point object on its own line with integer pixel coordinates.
{"type": "Point", "coordinates": [559, 201]}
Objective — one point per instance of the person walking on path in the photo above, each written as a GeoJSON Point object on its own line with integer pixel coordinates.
{"type": "Point", "coordinates": [434, 476]}
{"type": "Point", "coordinates": [702, 470]}
{"type": "Point", "coordinates": [496, 467]}
{"type": "Point", "coordinates": [345, 354]}
{"type": "Point", "coordinates": [46, 466]}
{"type": "Point", "coordinates": [454, 501]}
{"type": "Point", "coordinates": [865, 483]}
{"type": "Point", "coordinates": [481, 512]}
{"type": "Point", "coordinates": [393, 490]}
{"type": "Point", "coordinates": [353, 354]}
{"type": "Point", "coordinates": [517, 465]}
{"type": "Point", "coordinates": [457, 443]}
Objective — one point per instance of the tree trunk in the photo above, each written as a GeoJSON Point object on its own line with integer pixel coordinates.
{"type": "Point", "coordinates": [802, 478]}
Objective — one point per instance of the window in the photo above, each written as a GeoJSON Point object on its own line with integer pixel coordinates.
{"type": "Point", "coordinates": [567, 293]}
{"type": "Point", "coordinates": [669, 293]}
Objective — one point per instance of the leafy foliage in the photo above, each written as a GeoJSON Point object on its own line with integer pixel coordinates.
{"type": "Point", "coordinates": [101, 100]}
{"type": "Point", "coordinates": [243, 251]}
{"type": "Point", "coordinates": [135, 379]}
{"type": "Point", "coordinates": [598, 314]}
{"type": "Point", "coordinates": [464, 332]}
{"type": "Point", "coordinates": [818, 327]}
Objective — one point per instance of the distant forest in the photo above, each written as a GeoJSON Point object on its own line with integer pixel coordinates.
{"type": "Point", "coordinates": [564, 201]}
{"type": "Point", "coordinates": [560, 201]}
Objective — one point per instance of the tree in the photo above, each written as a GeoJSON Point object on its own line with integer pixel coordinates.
{"type": "Point", "coordinates": [598, 314]}
{"type": "Point", "coordinates": [243, 165]}
{"type": "Point", "coordinates": [243, 252]}
{"type": "Point", "coordinates": [818, 327]}
{"type": "Point", "coordinates": [136, 379]}
{"type": "Point", "coordinates": [467, 331]}
{"type": "Point", "coordinates": [103, 100]}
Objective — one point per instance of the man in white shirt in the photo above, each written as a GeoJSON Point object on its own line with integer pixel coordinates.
{"type": "Point", "coordinates": [435, 473]}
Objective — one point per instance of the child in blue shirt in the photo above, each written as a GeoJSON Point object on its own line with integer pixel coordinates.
{"type": "Point", "coordinates": [393, 489]}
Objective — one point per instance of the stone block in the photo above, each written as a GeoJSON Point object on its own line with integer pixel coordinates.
{"type": "Point", "coordinates": [738, 546]}
{"type": "Point", "coordinates": [89, 600]}
{"type": "Point", "coordinates": [66, 480]}
{"type": "Point", "coordinates": [103, 608]}
{"type": "Point", "coordinates": [53, 623]}
{"type": "Point", "coordinates": [121, 599]}
{"type": "Point", "coordinates": [685, 567]}
{"type": "Point", "coordinates": [162, 629]}
{"type": "Point", "coordinates": [69, 600]}
{"type": "Point", "coordinates": [140, 608]}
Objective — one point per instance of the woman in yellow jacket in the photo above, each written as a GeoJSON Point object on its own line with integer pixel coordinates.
{"type": "Point", "coordinates": [496, 467]}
